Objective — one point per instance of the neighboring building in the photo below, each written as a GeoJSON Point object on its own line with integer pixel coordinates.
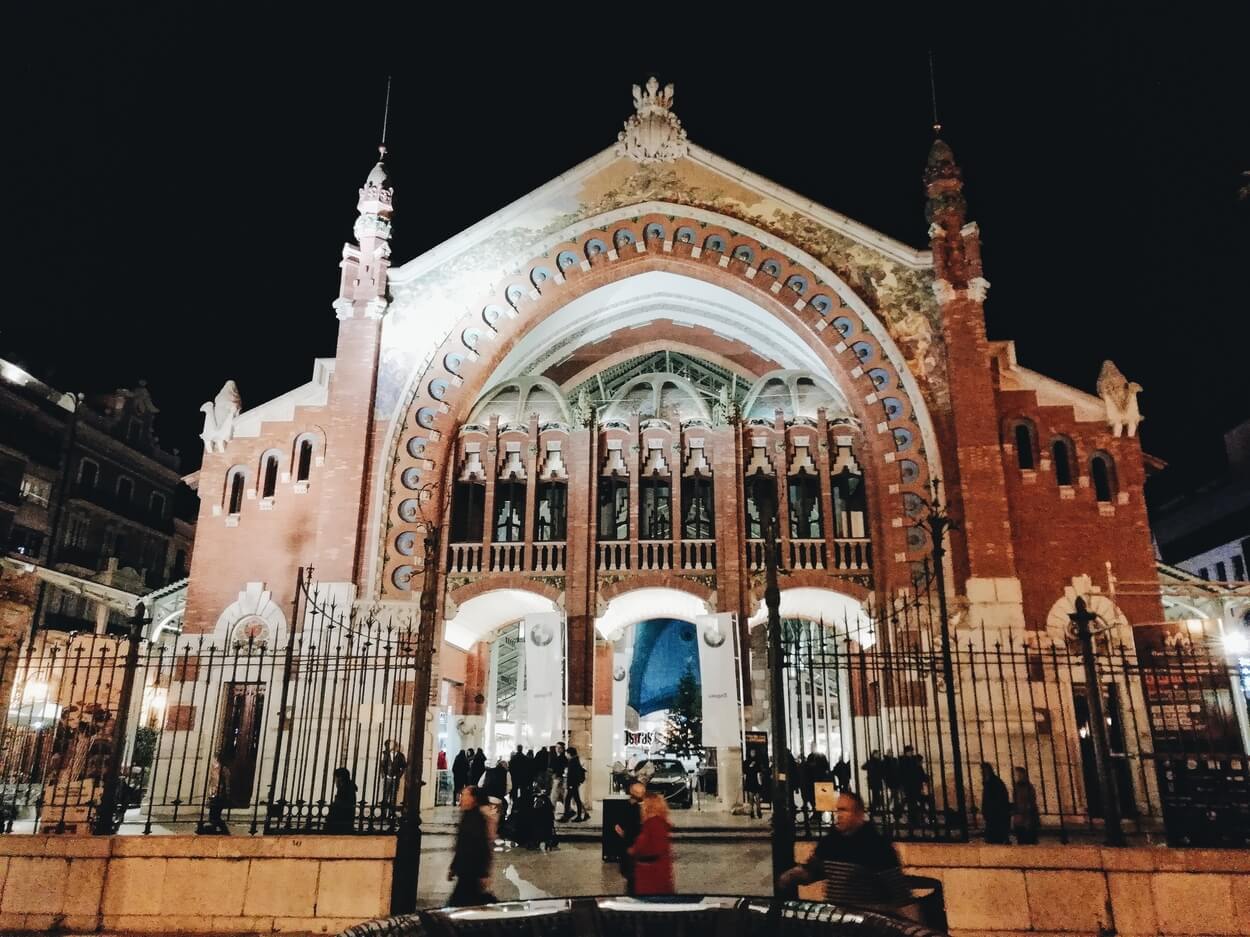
{"type": "Point", "coordinates": [1206, 532]}
{"type": "Point", "coordinates": [87, 498]}
{"type": "Point", "coordinates": [577, 393]}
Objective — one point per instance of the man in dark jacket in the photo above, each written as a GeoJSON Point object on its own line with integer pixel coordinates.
{"type": "Point", "coordinates": [874, 767]}
{"type": "Point", "coordinates": [519, 768]}
{"type": "Point", "coordinates": [459, 774]}
{"type": "Point", "coordinates": [858, 866]}
{"type": "Point", "coordinates": [477, 767]}
{"type": "Point", "coordinates": [628, 830]}
{"type": "Point", "coordinates": [470, 865]}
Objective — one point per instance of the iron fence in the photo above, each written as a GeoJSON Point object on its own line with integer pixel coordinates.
{"type": "Point", "coordinates": [867, 709]}
{"type": "Point", "coordinates": [280, 732]}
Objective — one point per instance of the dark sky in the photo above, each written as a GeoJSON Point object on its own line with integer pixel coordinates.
{"type": "Point", "coordinates": [184, 186]}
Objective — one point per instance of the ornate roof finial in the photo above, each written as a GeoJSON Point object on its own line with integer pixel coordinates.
{"type": "Point", "coordinates": [653, 134]}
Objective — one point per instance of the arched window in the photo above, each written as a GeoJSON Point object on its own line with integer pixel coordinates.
{"type": "Point", "coordinates": [1061, 455]}
{"type": "Point", "coordinates": [468, 512]}
{"type": "Point", "coordinates": [754, 510]}
{"type": "Point", "coordinates": [655, 511]}
{"type": "Point", "coordinates": [613, 508]}
{"type": "Point", "coordinates": [1023, 436]}
{"type": "Point", "coordinates": [1102, 471]}
{"type": "Point", "coordinates": [269, 480]}
{"type": "Point", "coordinates": [88, 472]}
{"type": "Point", "coordinates": [509, 510]}
{"type": "Point", "coordinates": [850, 504]}
{"type": "Point", "coordinates": [237, 479]}
{"type": "Point", "coordinates": [805, 521]}
{"type": "Point", "coordinates": [551, 513]}
{"type": "Point", "coordinates": [303, 460]}
{"type": "Point", "coordinates": [698, 509]}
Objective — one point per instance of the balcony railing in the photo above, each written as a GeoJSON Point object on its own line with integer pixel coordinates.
{"type": "Point", "coordinates": [807, 554]}
{"type": "Point", "coordinates": [125, 507]}
{"type": "Point", "coordinates": [698, 554]}
{"type": "Point", "coordinates": [549, 557]}
{"type": "Point", "coordinates": [465, 557]}
{"type": "Point", "coordinates": [655, 554]}
{"type": "Point", "coordinates": [507, 557]}
{"type": "Point", "coordinates": [613, 555]}
{"type": "Point", "coordinates": [850, 554]}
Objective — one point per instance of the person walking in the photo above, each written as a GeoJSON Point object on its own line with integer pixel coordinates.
{"type": "Point", "coordinates": [628, 830]}
{"type": "Point", "coordinates": [341, 815]}
{"type": "Point", "coordinates": [219, 800]}
{"type": "Point", "coordinates": [1025, 819]}
{"type": "Point", "coordinates": [652, 851]}
{"type": "Point", "coordinates": [574, 777]}
{"type": "Point", "coordinates": [874, 767]}
{"type": "Point", "coordinates": [753, 784]}
{"type": "Point", "coordinates": [394, 764]}
{"type": "Point", "coordinates": [477, 767]}
{"type": "Point", "coordinates": [858, 866]}
{"type": "Point", "coordinates": [559, 765]}
{"type": "Point", "coordinates": [842, 774]}
{"type": "Point", "coordinates": [459, 774]}
{"type": "Point", "coordinates": [540, 769]}
{"type": "Point", "coordinates": [995, 806]}
{"type": "Point", "coordinates": [470, 864]}
{"type": "Point", "coordinates": [519, 768]}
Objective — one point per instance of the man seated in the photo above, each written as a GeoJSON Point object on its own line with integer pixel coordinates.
{"type": "Point", "coordinates": [858, 866]}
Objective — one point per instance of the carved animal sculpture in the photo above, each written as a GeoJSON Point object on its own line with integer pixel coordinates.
{"type": "Point", "coordinates": [219, 415]}
{"type": "Point", "coordinates": [1119, 395]}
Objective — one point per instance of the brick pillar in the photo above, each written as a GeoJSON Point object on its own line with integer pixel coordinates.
{"type": "Point", "coordinates": [349, 431]}
{"type": "Point", "coordinates": [974, 485]}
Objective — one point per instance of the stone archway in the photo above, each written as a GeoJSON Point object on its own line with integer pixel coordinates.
{"type": "Point", "coordinates": [806, 299]}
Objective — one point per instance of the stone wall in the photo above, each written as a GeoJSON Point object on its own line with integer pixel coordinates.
{"type": "Point", "coordinates": [173, 884]}
{"type": "Point", "coordinates": [1008, 890]}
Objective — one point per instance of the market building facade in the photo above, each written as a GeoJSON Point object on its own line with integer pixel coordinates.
{"type": "Point", "coordinates": [580, 395]}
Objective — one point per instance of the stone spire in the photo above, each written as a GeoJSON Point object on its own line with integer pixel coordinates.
{"type": "Point", "coordinates": [956, 243]}
{"type": "Point", "coordinates": [362, 290]}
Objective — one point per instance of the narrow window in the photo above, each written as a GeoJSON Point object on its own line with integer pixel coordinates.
{"type": "Point", "coordinates": [698, 509]}
{"type": "Point", "coordinates": [804, 491]}
{"type": "Point", "coordinates": [270, 484]}
{"type": "Point", "coordinates": [510, 511]}
{"type": "Point", "coordinates": [236, 493]}
{"type": "Point", "coordinates": [850, 504]}
{"type": "Point", "coordinates": [305, 460]}
{"type": "Point", "coordinates": [156, 505]}
{"type": "Point", "coordinates": [1221, 571]}
{"type": "Point", "coordinates": [757, 486]}
{"type": "Point", "coordinates": [551, 512]}
{"type": "Point", "coordinates": [1203, 574]}
{"type": "Point", "coordinates": [655, 518]}
{"type": "Point", "coordinates": [1101, 472]}
{"type": "Point", "coordinates": [1239, 568]}
{"type": "Point", "coordinates": [125, 490]}
{"type": "Point", "coordinates": [87, 473]}
{"type": "Point", "coordinates": [613, 508]}
{"type": "Point", "coordinates": [468, 512]}
{"type": "Point", "coordinates": [1061, 455]}
{"type": "Point", "coordinates": [1024, 446]}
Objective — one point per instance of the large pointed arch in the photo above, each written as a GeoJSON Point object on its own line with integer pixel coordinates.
{"type": "Point", "coordinates": [806, 302]}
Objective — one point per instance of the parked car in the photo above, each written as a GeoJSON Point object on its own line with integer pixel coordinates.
{"type": "Point", "coordinates": [667, 776]}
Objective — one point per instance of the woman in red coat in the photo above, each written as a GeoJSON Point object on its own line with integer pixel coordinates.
{"type": "Point", "coordinates": [652, 853]}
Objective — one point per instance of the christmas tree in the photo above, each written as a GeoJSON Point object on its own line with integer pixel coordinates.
{"type": "Point", "coordinates": [683, 736]}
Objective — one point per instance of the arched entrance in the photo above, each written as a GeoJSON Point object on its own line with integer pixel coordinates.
{"type": "Point", "coordinates": [667, 689]}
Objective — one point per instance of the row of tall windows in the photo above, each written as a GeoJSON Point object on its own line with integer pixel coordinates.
{"type": "Point", "coordinates": [237, 482]}
{"type": "Point", "coordinates": [655, 516]}
{"type": "Point", "coordinates": [1063, 458]}
{"type": "Point", "coordinates": [806, 520]}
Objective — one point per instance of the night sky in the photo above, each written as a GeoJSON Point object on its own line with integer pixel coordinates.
{"type": "Point", "coordinates": [183, 187]}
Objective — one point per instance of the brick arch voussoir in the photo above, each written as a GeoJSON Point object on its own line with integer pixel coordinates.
{"type": "Point", "coordinates": [442, 394]}
{"type": "Point", "coordinates": [513, 581]}
{"type": "Point", "coordinates": [655, 580]}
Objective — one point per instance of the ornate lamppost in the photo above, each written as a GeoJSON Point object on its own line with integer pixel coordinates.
{"type": "Point", "coordinates": [937, 523]}
{"type": "Point", "coordinates": [765, 492]}
{"type": "Point", "coordinates": [1079, 628]}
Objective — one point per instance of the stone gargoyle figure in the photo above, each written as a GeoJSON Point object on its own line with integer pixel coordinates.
{"type": "Point", "coordinates": [219, 415]}
{"type": "Point", "coordinates": [1119, 394]}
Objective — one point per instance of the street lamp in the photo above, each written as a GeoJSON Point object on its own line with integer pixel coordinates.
{"type": "Point", "coordinates": [937, 523]}
{"type": "Point", "coordinates": [1079, 628]}
{"type": "Point", "coordinates": [765, 492]}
